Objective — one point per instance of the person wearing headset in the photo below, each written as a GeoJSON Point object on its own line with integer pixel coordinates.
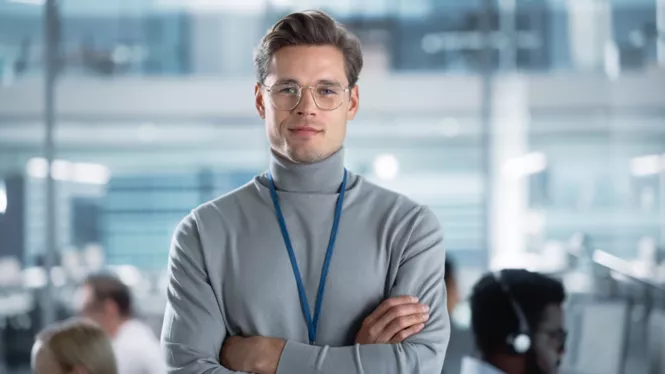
{"type": "Point", "coordinates": [517, 321]}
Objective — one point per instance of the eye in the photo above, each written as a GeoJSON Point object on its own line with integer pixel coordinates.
{"type": "Point", "coordinates": [288, 90]}
{"type": "Point", "coordinates": [328, 91]}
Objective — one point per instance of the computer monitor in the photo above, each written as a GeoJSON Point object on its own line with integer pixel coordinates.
{"type": "Point", "coordinates": [656, 342]}
{"type": "Point", "coordinates": [597, 329]}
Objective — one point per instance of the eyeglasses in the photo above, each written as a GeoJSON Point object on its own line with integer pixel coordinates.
{"type": "Point", "coordinates": [287, 96]}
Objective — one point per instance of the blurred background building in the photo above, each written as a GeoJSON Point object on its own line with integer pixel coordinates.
{"type": "Point", "coordinates": [535, 129]}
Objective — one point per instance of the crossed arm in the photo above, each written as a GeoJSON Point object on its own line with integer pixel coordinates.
{"type": "Point", "coordinates": [194, 331]}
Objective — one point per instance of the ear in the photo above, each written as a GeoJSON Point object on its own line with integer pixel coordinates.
{"type": "Point", "coordinates": [354, 103]}
{"type": "Point", "coordinates": [259, 101]}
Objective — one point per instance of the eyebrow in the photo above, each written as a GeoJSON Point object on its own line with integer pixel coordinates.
{"type": "Point", "coordinates": [287, 80]}
{"type": "Point", "coordinates": [328, 82]}
{"type": "Point", "coordinates": [320, 81]}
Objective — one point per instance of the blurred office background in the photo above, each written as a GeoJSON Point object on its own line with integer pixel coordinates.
{"type": "Point", "coordinates": [535, 129]}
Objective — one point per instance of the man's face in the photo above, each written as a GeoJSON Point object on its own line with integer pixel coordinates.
{"type": "Point", "coordinates": [307, 133]}
{"type": "Point", "coordinates": [550, 339]}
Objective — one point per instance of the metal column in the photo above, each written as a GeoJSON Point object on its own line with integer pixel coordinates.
{"type": "Point", "coordinates": [660, 31]}
{"type": "Point", "coordinates": [508, 26]}
{"type": "Point", "coordinates": [486, 125]}
{"type": "Point", "coordinates": [661, 198]}
{"type": "Point", "coordinates": [52, 65]}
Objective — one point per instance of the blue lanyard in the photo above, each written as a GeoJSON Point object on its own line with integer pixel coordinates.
{"type": "Point", "coordinates": [311, 324]}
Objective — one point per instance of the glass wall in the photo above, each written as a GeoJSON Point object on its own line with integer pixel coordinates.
{"type": "Point", "coordinates": [175, 37]}
{"type": "Point", "coordinates": [442, 149]}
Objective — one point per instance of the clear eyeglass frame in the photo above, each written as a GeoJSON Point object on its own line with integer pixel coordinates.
{"type": "Point", "coordinates": [313, 89]}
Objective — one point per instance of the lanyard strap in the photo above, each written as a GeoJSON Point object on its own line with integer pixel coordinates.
{"type": "Point", "coordinates": [312, 324]}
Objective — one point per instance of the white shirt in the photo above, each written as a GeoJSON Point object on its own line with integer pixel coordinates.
{"type": "Point", "coordinates": [472, 365]}
{"type": "Point", "coordinates": [137, 350]}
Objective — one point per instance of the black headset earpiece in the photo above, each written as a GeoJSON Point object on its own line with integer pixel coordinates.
{"type": "Point", "coordinates": [520, 341]}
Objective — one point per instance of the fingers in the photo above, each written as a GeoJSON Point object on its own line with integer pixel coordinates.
{"type": "Point", "coordinates": [401, 324]}
{"type": "Point", "coordinates": [388, 304]}
{"type": "Point", "coordinates": [396, 314]}
{"type": "Point", "coordinates": [406, 333]}
{"type": "Point", "coordinates": [395, 319]}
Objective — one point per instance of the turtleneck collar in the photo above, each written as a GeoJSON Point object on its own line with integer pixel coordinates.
{"type": "Point", "coordinates": [324, 176]}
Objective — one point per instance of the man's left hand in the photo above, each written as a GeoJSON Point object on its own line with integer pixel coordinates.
{"type": "Point", "coordinates": [255, 354]}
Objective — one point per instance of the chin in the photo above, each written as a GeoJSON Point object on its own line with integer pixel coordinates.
{"type": "Point", "coordinates": [306, 159]}
{"type": "Point", "coordinates": [305, 156]}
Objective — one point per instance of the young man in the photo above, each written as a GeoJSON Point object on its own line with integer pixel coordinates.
{"type": "Point", "coordinates": [518, 324]}
{"type": "Point", "coordinates": [106, 300]}
{"type": "Point", "coordinates": [308, 268]}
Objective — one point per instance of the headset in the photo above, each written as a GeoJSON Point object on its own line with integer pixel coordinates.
{"type": "Point", "coordinates": [521, 341]}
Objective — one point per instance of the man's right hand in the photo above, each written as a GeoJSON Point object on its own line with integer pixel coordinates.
{"type": "Point", "coordinates": [393, 321]}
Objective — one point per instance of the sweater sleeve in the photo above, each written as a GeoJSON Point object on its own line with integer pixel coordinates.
{"type": "Point", "coordinates": [421, 274]}
{"type": "Point", "coordinates": [193, 330]}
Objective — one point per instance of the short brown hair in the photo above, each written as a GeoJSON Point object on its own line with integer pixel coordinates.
{"type": "Point", "coordinates": [108, 287]}
{"type": "Point", "coordinates": [79, 343]}
{"type": "Point", "coordinates": [310, 27]}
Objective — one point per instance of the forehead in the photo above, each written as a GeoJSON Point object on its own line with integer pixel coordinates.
{"type": "Point", "coordinates": [553, 317]}
{"type": "Point", "coordinates": [307, 65]}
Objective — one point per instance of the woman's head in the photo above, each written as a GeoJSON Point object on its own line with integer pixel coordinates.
{"type": "Point", "coordinates": [73, 347]}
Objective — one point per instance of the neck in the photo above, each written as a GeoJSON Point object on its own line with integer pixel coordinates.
{"type": "Point", "coordinates": [324, 176]}
{"type": "Point", "coordinates": [113, 328]}
{"type": "Point", "coordinates": [508, 364]}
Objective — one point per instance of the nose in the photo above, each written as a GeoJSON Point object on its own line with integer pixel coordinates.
{"type": "Point", "coordinates": [306, 106]}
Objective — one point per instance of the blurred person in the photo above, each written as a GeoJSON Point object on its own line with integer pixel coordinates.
{"type": "Point", "coordinates": [518, 324]}
{"type": "Point", "coordinates": [452, 292]}
{"type": "Point", "coordinates": [106, 300]}
{"type": "Point", "coordinates": [248, 270]}
{"type": "Point", "coordinates": [75, 346]}
{"type": "Point", "coordinates": [460, 337]}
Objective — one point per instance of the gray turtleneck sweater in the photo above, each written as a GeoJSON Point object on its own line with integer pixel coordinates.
{"type": "Point", "coordinates": [229, 274]}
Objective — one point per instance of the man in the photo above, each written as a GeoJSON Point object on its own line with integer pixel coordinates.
{"type": "Point", "coordinates": [518, 324]}
{"type": "Point", "coordinates": [108, 301]}
{"type": "Point", "coordinates": [248, 270]}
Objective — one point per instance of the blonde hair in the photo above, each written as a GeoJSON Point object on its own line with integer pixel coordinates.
{"type": "Point", "coordinates": [79, 343]}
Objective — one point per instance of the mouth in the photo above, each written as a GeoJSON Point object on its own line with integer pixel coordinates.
{"type": "Point", "coordinates": [305, 131]}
